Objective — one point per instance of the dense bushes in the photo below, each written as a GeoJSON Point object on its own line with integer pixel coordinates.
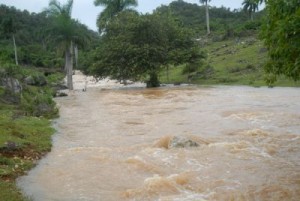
{"type": "Point", "coordinates": [35, 97]}
{"type": "Point", "coordinates": [38, 102]}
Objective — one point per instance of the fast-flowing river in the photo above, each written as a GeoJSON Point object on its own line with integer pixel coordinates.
{"type": "Point", "coordinates": [111, 146]}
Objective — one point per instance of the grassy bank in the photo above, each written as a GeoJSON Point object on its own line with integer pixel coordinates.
{"type": "Point", "coordinates": [24, 141]}
{"type": "Point", "coordinates": [25, 126]}
{"type": "Point", "coordinates": [231, 62]}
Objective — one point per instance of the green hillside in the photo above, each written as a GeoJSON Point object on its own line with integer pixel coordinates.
{"type": "Point", "coordinates": [229, 62]}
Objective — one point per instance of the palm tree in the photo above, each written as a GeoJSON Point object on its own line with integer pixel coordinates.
{"type": "Point", "coordinates": [66, 33]}
{"type": "Point", "coordinates": [112, 8]}
{"type": "Point", "coordinates": [207, 14]}
{"type": "Point", "coordinates": [251, 6]}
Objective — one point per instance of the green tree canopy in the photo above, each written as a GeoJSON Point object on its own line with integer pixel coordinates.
{"type": "Point", "coordinates": [223, 21]}
{"type": "Point", "coordinates": [36, 37]}
{"type": "Point", "coordinates": [9, 28]}
{"type": "Point", "coordinates": [112, 7]}
{"type": "Point", "coordinates": [250, 6]}
{"type": "Point", "coordinates": [281, 34]}
{"type": "Point", "coordinates": [135, 47]}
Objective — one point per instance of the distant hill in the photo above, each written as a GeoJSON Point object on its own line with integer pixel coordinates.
{"type": "Point", "coordinates": [223, 21]}
{"type": "Point", "coordinates": [34, 44]}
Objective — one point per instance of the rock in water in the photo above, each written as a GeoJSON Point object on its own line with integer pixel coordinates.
{"type": "Point", "coordinates": [60, 94]}
{"type": "Point", "coordinates": [181, 142]}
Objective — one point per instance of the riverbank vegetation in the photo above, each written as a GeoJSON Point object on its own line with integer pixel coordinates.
{"type": "Point", "coordinates": [31, 72]}
{"type": "Point", "coordinates": [26, 109]}
{"type": "Point", "coordinates": [233, 47]}
{"type": "Point", "coordinates": [237, 49]}
{"type": "Point", "coordinates": [177, 43]}
{"type": "Point", "coordinates": [229, 62]}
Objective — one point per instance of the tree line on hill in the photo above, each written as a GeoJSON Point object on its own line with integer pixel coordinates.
{"type": "Point", "coordinates": [223, 21]}
{"type": "Point", "coordinates": [35, 38]}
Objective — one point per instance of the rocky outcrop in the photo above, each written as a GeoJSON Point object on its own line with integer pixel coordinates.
{"type": "Point", "coordinates": [170, 142]}
{"type": "Point", "coordinates": [182, 142]}
{"type": "Point", "coordinates": [11, 84]}
{"type": "Point", "coordinates": [43, 108]}
{"type": "Point", "coordinates": [29, 80]}
{"type": "Point", "coordinates": [59, 90]}
{"type": "Point", "coordinates": [36, 80]}
{"type": "Point", "coordinates": [60, 94]}
{"type": "Point", "coordinates": [12, 90]}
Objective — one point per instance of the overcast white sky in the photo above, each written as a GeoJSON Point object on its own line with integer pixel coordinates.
{"type": "Point", "coordinates": [86, 12]}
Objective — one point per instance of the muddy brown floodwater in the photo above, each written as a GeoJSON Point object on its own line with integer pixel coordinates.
{"type": "Point", "coordinates": [110, 146]}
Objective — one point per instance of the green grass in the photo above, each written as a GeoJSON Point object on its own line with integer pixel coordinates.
{"type": "Point", "coordinates": [233, 63]}
{"type": "Point", "coordinates": [10, 192]}
{"type": "Point", "coordinates": [175, 75]}
{"type": "Point", "coordinates": [55, 78]}
{"type": "Point", "coordinates": [25, 132]}
{"type": "Point", "coordinates": [32, 136]}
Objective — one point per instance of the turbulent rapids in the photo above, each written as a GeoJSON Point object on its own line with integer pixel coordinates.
{"type": "Point", "coordinates": [113, 145]}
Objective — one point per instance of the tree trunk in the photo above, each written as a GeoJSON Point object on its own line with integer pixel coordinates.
{"type": "Point", "coordinates": [69, 66]}
{"type": "Point", "coordinates": [15, 48]}
{"type": "Point", "coordinates": [76, 56]}
{"type": "Point", "coordinates": [167, 71]}
{"type": "Point", "coordinates": [207, 18]}
{"type": "Point", "coordinates": [153, 80]}
{"type": "Point", "coordinates": [66, 63]}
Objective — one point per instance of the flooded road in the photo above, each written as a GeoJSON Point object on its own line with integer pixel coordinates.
{"type": "Point", "coordinates": [111, 145]}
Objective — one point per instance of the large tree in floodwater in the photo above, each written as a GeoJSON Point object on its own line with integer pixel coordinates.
{"type": "Point", "coordinates": [137, 47]}
{"type": "Point", "coordinates": [65, 33]}
{"type": "Point", "coordinates": [112, 7]}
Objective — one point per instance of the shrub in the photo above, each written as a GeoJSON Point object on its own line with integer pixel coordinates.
{"type": "Point", "coordinates": [38, 102]}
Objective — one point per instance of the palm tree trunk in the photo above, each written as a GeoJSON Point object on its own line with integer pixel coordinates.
{"type": "Point", "coordinates": [69, 65]}
{"type": "Point", "coordinates": [15, 48]}
{"type": "Point", "coordinates": [76, 56]}
{"type": "Point", "coordinates": [207, 18]}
